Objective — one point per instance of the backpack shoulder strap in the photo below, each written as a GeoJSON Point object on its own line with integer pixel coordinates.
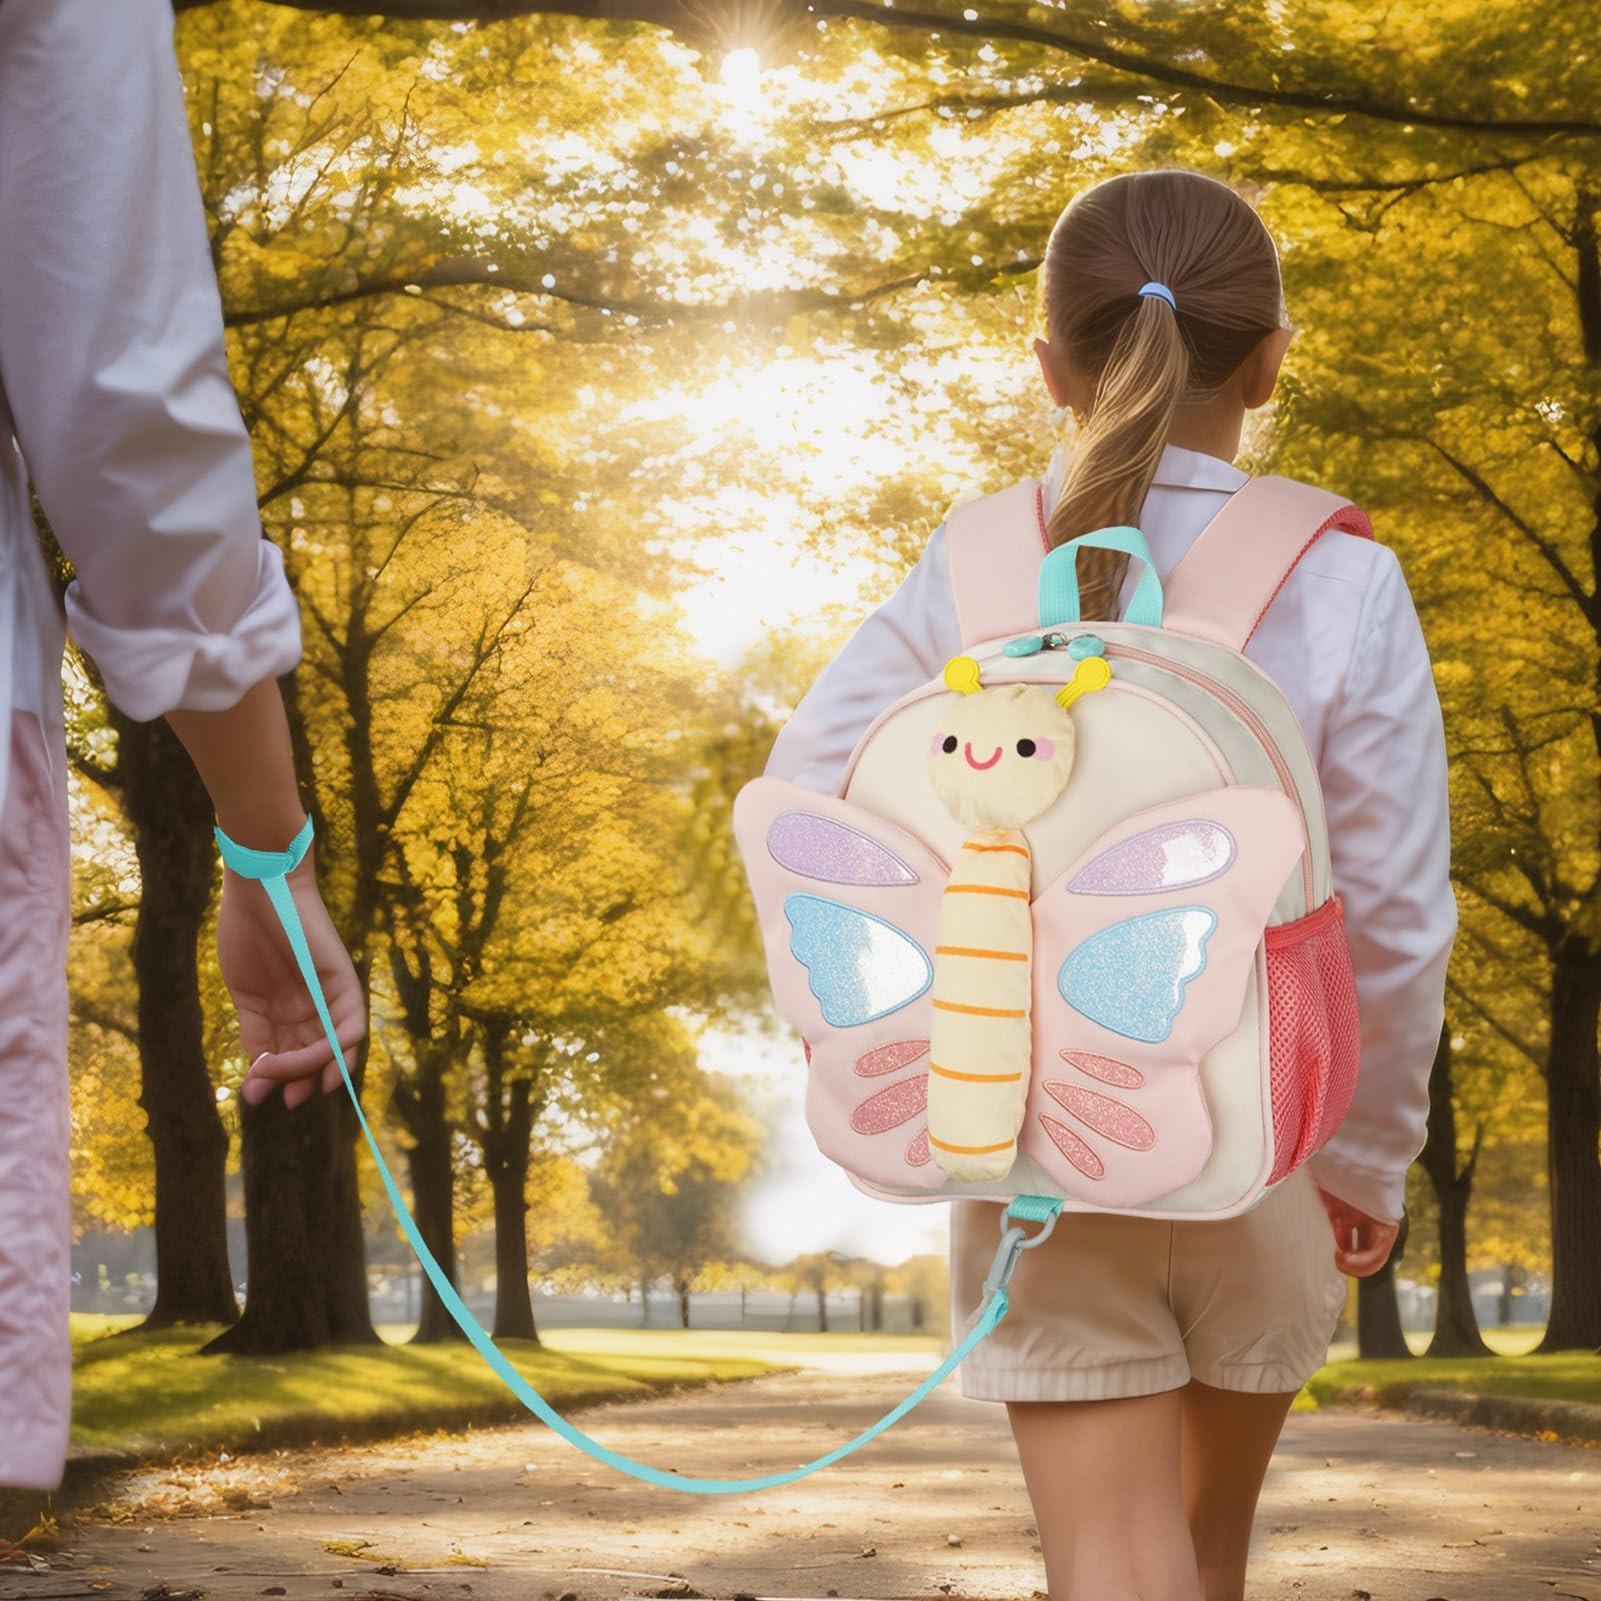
{"type": "Point", "coordinates": [1239, 562]}
{"type": "Point", "coordinates": [995, 545]}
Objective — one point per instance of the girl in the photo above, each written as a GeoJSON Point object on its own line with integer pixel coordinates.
{"type": "Point", "coordinates": [1148, 1366]}
{"type": "Point", "coordinates": [114, 385]}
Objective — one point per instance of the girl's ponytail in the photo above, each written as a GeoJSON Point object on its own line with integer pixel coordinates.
{"type": "Point", "coordinates": [1143, 355]}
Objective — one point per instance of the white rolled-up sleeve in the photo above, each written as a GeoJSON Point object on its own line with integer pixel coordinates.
{"type": "Point", "coordinates": [1385, 787]}
{"type": "Point", "coordinates": [113, 362]}
{"type": "Point", "coordinates": [897, 647]}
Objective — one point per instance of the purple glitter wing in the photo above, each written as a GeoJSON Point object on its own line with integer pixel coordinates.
{"type": "Point", "coordinates": [1170, 856]}
{"type": "Point", "coordinates": [818, 847]}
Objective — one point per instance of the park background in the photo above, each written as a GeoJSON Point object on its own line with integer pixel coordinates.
{"type": "Point", "coordinates": [602, 369]}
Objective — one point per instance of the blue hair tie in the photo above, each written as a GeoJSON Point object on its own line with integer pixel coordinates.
{"type": "Point", "coordinates": [1161, 291]}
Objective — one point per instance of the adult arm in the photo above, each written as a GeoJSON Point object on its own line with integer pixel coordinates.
{"type": "Point", "coordinates": [113, 362]}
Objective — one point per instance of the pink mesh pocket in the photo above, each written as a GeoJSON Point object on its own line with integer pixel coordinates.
{"type": "Point", "coordinates": [1313, 1037]}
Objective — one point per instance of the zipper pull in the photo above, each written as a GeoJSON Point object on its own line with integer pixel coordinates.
{"type": "Point", "coordinates": [1078, 647]}
{"type": "Point", "coordinates": [1025, 645]}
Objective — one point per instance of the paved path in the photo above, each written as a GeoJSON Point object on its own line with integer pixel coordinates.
{"type": "Point", "coordinates": [1357, 1505]}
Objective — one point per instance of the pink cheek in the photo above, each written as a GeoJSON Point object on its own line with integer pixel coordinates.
{"type": "Point", "coordinates": [936, 745]}
{"type": "Point", "coordinates": [1044, 749]}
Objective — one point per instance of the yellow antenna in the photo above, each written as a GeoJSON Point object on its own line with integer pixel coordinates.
{"type": "Point", "coordinates": [961, 674]}
{"type": "Point", "coordinates": [1094, 673]}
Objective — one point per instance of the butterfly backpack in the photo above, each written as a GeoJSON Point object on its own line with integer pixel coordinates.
{"type": "Point", "coordinates": [1067, 930]}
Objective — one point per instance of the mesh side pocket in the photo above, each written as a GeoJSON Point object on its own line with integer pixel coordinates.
{"type": "Point", "coordinates": [1313, 1038]}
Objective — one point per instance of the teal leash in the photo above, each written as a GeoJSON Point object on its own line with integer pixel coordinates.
{"type": "Point", "coordinates": [271, 870]}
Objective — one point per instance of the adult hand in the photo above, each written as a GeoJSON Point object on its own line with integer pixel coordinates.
{"type": "Point", "coordinates": [1362, 1244]}
{"type": "Point", "coordinates": [278, 1023]}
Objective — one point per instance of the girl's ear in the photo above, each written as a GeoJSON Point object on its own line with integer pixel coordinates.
{"type": "Point", "coordinates": [1065, 386]}
{"type": "Point", "coordinates": [1259, 372]}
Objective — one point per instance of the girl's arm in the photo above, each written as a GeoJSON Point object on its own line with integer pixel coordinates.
{"type": "Point", "coordinates": [902, 644]}
{"type": "Point", "coordinates": [1384, 776]}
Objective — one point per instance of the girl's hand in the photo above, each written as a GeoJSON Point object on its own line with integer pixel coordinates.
{"type": "Point", "coordinates": [278, 1023]}
{"type": "Point", "coordinates": [1362, 1244]}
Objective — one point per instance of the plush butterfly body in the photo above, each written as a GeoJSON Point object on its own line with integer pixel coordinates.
{"type": "Point", "coordinates": [1138, 958]}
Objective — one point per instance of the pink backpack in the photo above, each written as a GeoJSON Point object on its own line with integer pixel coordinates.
{"type": "Point", "coordinates": [1068, 929]}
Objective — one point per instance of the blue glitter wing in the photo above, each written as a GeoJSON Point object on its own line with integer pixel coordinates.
{"type": "Point", "coordinates": [859, 967]}
{"type": "Point", "coordinates": [1130, 977]}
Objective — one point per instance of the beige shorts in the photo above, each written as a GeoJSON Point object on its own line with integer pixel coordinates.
{"type": "Point", "coordinates": [1111, 1306]}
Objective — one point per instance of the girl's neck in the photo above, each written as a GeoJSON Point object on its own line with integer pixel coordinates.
{"type": "Point", "coordinates": [1213, 429]}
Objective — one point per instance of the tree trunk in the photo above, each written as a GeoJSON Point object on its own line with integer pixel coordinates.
{"type": "Point", "coordinates": [308, 1283]}
{"type": "Point", "coordinates": [170, 814]}
{"type": "Point", "coordinates": [1503, 1301]}
{"type": "Point", "coordinates": [822, 1310]}
{"type": "Point", "coordinates": [1573, 1148]}
{"type": "Point", "coordinates": [1378, 1313]}
{"type": "Point", "coordinates": [433, 1204]}
{"type": "Point", "coordinates": [504, 1129]}
{"type": "Point", "coordinates": [683, 1303]}
{"type": "Point", "coordinates": [514, 1301]}
{"type": "Point", "coordinates": [1456, 1329]}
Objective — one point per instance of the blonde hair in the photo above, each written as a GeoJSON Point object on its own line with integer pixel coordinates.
{"type": "Point", "coordinates": [1144, 357]}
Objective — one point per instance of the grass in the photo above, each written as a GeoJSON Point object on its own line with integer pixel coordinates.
{"type": "Point", "coordinates": [152, 1394]}
{"type": "Point", "coordinates": [1514, 1370]}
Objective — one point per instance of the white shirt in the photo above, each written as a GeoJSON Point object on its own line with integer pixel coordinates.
{"type": "Point", "coordinates": [114, 391]}
{"type": "Point", "coordinates": [1343, 643]}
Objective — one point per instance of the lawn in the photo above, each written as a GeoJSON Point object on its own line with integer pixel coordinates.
{"type": "Point", "coordinates": [152, 1394]}
{"type": "Point", "coordinates": [1514, 1370]}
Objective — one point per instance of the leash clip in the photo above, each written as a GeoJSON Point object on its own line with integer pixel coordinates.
{"type": "Point", "coordinates": [1014, 1241]}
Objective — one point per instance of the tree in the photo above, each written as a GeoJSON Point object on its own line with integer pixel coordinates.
{"type": "Point", "coordinates": [169, 816]}
{"type": "Point", "coordinates": [668, 1180]}
{"type": "Point", "coordinates": [1378, 1314]}
{"type": "Point", "coordinates": [1456, 1329]}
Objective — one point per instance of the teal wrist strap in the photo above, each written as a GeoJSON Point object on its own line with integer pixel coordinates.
{"type": "Point", "coordinates": [1058, 586]}
{"type": "Point", "coordinates": [271, 868]}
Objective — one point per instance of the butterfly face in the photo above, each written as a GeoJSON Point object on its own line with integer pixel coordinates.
{"type": "Point", "coordinates": [1001, 756]}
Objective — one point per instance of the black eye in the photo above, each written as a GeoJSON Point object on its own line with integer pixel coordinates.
{"type": "Point", "coordinates": [949, 747]}
{"type": "Point", "coordinates": [1025, 747]}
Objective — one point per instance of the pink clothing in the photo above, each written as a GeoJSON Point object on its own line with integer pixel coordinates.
{"type": "Point", "coordinates": [35, 1221]}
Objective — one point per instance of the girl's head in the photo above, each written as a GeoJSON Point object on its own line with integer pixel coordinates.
{"type": "Point", "coordinates": [1126, 362]}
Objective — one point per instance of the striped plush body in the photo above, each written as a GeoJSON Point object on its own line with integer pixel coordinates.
{"type": "Point", "coordinates": [980, 1044]}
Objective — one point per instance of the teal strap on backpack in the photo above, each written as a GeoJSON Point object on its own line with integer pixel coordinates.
{"type": "Point", "coordinates": [271, 869]}
{"type": "Point", "coordinates": [1058, 590]}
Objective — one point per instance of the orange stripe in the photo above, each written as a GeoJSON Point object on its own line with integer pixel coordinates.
{"type": "Point", "coordinates": [974, 950]}
{"type": "Point", "coordinates": [978, 1011]}
{"type": "Point", "coordinates": [1016, 850]}
{"type": "Point", "coordinates": [974, 1078]}
{"type": "Point", "coordinates": [972, 1150]}
{"type": "Point", "coordinates": [985, 889]}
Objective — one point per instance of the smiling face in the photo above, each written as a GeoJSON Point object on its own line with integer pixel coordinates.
{"type": "Point", "coordinates": [1001, 756]}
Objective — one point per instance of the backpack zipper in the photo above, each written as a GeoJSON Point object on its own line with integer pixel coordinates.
{"type": "Point", "coordinates": [1247, 715]}
{"type": "Point", "coordinates": [1055, 639]}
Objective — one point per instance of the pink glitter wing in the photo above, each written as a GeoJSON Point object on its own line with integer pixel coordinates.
{"type": "Point", "coordinates": [867, 1080]}
{"type": "Point", "coordinates": [1127, 1120]}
